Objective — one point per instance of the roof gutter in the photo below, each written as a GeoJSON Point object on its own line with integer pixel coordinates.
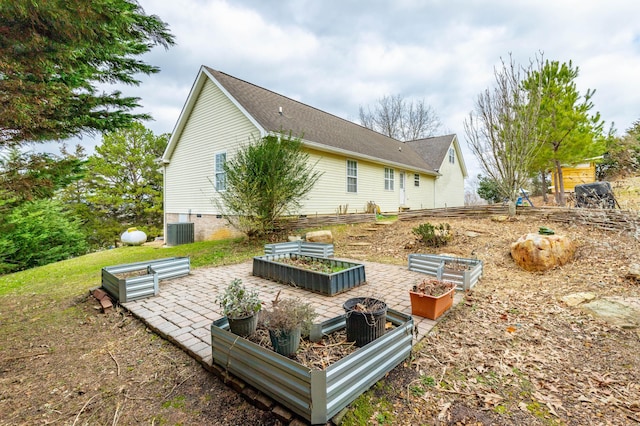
{"type": "Point", "coordinates": [326, 148]}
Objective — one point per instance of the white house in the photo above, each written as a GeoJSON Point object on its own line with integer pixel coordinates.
{"type": "Point", "coordinates": [359, 165]}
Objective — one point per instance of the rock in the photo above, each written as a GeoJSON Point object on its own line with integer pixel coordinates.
{"type": "Point", "coordinates": [472, 234]}
{"type": "Point", "coordinates": [293, 238]}
{"type": "Point", "coordinates": [500, 218]}
{"type": "Point", "coordinates": [634, 271]}
{"type": "Point", "coordinates": [577, 298]}
{"type": "Point", "coordinates": [319, 237]}
{"type": "Point", "coordinates": [534, 252]}
{"type": "Point", "coordinates": [619, 311]}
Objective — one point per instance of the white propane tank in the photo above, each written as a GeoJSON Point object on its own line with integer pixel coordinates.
{"type": "Point", "coordinates": [133, 237]}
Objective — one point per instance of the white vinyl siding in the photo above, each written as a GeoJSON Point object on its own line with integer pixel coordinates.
{"type": "Point", "coordinates": [214, 125]}
{"type": "Point", "coordinates": [352, 176]}
{"type": "Point", "coordinates": [388, 179]}
{"type": "Point", "coordinates": [221, 176]}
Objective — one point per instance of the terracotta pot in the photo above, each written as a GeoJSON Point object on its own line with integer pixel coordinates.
{"type": "Point", "coordinates": [431, 307]}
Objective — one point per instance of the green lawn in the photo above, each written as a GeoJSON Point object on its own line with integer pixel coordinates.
{"type": "Point", "coordinates": [74, 276]}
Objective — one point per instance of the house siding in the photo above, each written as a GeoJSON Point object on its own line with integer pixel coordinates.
{"type": "Point", "coordinates": [330, 192]}
{"type": "Point", "coordinates": [215, 125]}
{"type": "Point", "coordinates": [449, 187]}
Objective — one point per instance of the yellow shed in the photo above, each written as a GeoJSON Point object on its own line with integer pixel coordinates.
{"type": "Point", "coordinates": [576, 175]}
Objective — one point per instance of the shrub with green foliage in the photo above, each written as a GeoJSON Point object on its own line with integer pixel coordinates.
{"type": "Point", "coordinates": [37, 233]}
{"type": "Point", "coordinates": [489, 190]}
{"type": "Point", "coordinates": [264, 181]}
{"type": "Point", "coordinates": [433, 236]}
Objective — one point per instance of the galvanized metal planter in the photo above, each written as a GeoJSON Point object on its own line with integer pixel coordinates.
{"type": "Point", "coordinates": [145, 284]}
{"type": "Point", "coordinates": [315, 395]}
{"type": "Point", "coordinates": [300, 247]}
{"type": "Point", "coordinates": [460, 270]}
{"type": "Point", "coordinates": [329, 284]}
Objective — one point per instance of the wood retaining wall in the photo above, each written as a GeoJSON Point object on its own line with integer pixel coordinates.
{"type": "Point", "coordinates": [626, 221]}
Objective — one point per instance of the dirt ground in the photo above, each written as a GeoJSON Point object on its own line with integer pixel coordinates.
{"type": "Point", "coordinates": [511, 354]}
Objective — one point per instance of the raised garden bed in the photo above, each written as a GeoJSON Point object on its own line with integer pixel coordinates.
{"type": "Point", "coordinates": [133, 281]}
{"type": "Point", "coordinates": [349, 276]}
{"type": "Point", "coordinates": [464, 272]}
{"type": "Point", "coordinates": [300, 247]}
{"type": "Point", "coordinates": [314, 394]}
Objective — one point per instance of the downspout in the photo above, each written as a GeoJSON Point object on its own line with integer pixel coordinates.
{"type": "Point", "coordinates": [164, 201]}
{"type": "Point", "coordinates": [434, 186]}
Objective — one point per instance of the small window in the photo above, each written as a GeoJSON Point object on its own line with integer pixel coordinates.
{"type": "Point", "coordinates": [452, 155]}
{"type": "Point", "coordinates": [352, 176]}
{"type": "Point", "coordinates": [220, 175]}
{"type": "Point", "coordinates": [388, 179]}
{"type": "Point", "coordinates": [416, 179]}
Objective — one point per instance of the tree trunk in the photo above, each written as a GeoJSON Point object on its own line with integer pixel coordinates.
{"type": "Point", "coordinates": [543, 182]}
{"type": "Point", "coordinates": [561, 198]}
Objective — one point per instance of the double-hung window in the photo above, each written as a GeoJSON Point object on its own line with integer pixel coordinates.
{"type": "Point", "coordinates": [452, 155]}
{"type": "Point", "coordinates": [388, 179]}
{"type": "Point", "coordinates": [416, 179]}
{"type": "Point", "coordinates": [220, 175]}
{"type": "Point", "coordinates": [352, 176]}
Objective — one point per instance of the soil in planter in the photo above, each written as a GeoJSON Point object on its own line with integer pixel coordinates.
{"type": "Point", "coordinates": [131, 274]}
{"type": "Point", "coordinates": [452, 265]}
{"type": "Point", "coordinates": [432, 287]}
{"type": "Point", "coordinates": [310, 264]}
{"type": "Point", "coordinates": [317, 355]}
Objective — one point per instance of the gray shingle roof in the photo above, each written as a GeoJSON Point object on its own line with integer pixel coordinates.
{"type": "Point", "coordinates": [323, 128]}
{"type": "Point", "coordinates": [433, 150]}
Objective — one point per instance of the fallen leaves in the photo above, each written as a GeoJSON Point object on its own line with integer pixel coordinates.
{"type": "Point", "coordinates": [513, 347]}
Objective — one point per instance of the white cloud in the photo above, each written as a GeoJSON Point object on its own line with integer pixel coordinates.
{"type": "Point", "coordinates": [339, 54]}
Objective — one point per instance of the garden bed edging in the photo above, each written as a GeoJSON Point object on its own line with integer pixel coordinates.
{"type": "Point", "coordinates": [315, 395]}
{"type": "Point", "coordinates": [435, 266]}
{"type": "Point", "coordinates": [328, 284]}
{"type": "Point", "coordinates": [142, 286]}
{"type": "Point", "coordinates": [300, 247]}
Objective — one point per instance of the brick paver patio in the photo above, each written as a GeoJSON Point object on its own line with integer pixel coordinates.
{"type": "Point", "coordinates": [185, 307]}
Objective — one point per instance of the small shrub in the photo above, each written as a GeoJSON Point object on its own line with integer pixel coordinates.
{"type": "Point", "coordinates": [433, 236]}
{"type": "Point", "coordinates": [287, 314]}
{"type": "Point", "coordinates": [238, 302]}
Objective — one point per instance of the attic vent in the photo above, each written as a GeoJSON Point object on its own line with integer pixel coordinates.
{"type": "Point", "coordinates": [280, 110]}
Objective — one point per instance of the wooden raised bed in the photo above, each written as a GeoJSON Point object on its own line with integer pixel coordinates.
{"type": "Point", "coordinates": [324, 283]}
{"type": "Point", "coordinates": [133, 281]}
{"type": "Point", "coordinates": [462, 271]}
{"type": "Point", "coordinates": [316, 395]}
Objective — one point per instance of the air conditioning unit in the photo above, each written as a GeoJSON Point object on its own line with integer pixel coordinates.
{"type": "Point", "coordinates": [179, 233]}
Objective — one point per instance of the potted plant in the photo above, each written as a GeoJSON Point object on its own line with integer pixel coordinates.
{"type": "Point", "coordinates": [365, 319]}
{"type": "Point", "coordinates": [287, 321]}
{"type": "Point", "coordinates": [431, 298]}
{"type": "Point", "coordinates": [240, 306]}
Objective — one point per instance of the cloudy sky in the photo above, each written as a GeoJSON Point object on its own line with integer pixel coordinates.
{"type": "Point", "coordinates": [337, 55]}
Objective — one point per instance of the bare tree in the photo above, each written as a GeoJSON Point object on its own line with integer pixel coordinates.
{"type": "Point", "coordinates": [401, 119]}
{"type": "Point", "coordinates": [503, 132]}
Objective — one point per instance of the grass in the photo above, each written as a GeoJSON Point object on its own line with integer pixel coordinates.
{"type": "Point", "coordinates": [73, 276]}
{"type": "Point", "coordinates": [370, 409]}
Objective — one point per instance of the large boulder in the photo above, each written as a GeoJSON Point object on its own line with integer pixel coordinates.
{"type": "Point", "coordinates": [535, 252]}
{"type": "Point", "coordinates": [319, 237]}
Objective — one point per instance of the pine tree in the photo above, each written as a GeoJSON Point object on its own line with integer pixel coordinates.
{"type": "Point", "coordinates": [55, 54]}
